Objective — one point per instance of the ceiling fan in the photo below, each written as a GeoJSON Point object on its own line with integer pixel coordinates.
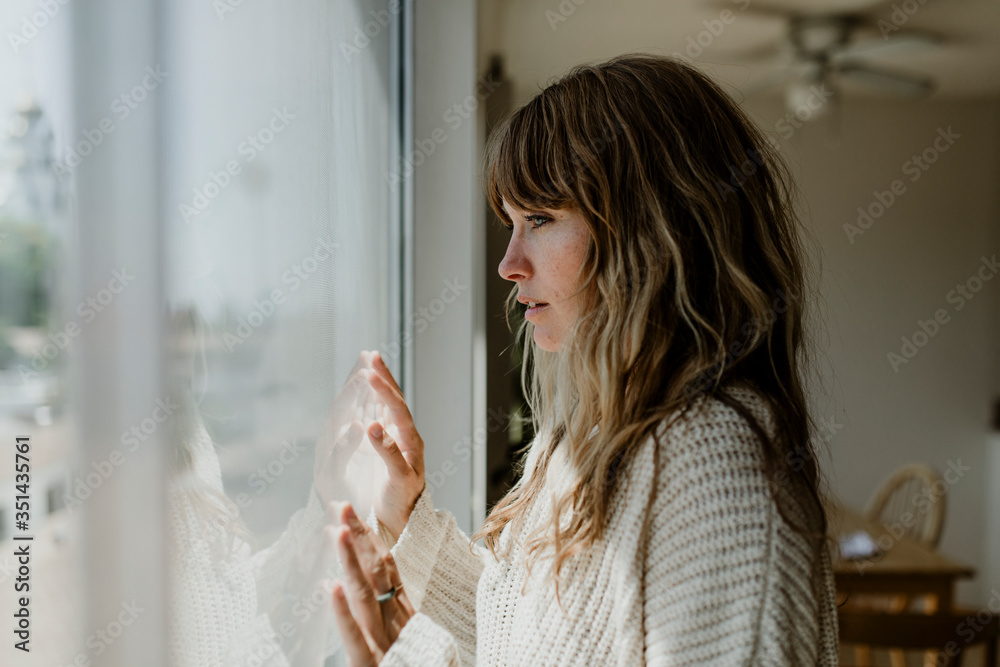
{"type": "Point", "coordinates": [825, 49]}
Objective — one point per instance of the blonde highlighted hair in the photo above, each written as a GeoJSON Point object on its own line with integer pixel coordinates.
{"type": "Point", "coordinates": [688, 259]}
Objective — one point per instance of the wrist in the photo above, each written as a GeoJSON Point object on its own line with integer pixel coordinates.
{"type": "Point", "coordinates": [394, 525]}
{"type": "Point", "coordinates": [391, 531]}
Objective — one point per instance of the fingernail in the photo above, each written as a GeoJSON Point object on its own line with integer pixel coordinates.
{"type": "Point", "coordinates": [349, 511]}
{"type": "Point", "coordinates": [377, 431]}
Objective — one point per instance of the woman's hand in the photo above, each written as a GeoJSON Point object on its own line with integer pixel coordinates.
{"type": "Point", "coordinates": [404, 458]}
{"type": "Point", "coordinates": [368, 627]}
{"type": "Point", "coordinates": [370, 391]}
{"type": "Point", "coordinates": [343, 431]}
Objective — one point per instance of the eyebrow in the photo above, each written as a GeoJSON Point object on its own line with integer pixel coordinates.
{"type": "Point", "coordinates": [536, 211]}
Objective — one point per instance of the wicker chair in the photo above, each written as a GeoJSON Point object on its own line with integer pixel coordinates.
{"type": "Point", "coordinates": [912, 499]}
{"type": "Point", "coordinates": [910, 502]}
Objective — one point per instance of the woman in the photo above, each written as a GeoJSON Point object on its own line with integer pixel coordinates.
{"type": "Point", "coordinates": [669, 512]}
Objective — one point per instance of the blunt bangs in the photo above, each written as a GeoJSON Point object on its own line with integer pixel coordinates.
{"type": "Point", "coordinates": [529, 162]}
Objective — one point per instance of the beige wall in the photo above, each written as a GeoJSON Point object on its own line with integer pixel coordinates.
{"type": "Point", "coordinates": [936, 407]}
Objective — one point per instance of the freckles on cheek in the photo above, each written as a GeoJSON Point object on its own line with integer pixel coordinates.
{"type": "Point", "coordinates": [567, 268]}
{"type": "Point", "coordinates": [561, 283]}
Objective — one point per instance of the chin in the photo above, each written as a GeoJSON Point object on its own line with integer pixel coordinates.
{"type": "Point", "coordinates": [545, 342]}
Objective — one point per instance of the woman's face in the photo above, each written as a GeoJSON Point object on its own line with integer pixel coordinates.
{"type": "Point", "coordinates": [546, 251]}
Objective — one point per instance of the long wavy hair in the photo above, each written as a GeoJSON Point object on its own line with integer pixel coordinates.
{"type": "Point", "coordinates": [216, 521]}
{"type": "Point", "coordinates": [694, 281]}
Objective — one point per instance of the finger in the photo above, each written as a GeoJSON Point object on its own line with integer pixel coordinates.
{"type": "Point", "coordinates": [345, 405]}
{"type": "Point", "coordinates": [364, 361]}
{"type": "Point", "coordinates": [400, 413]}
{"type": "Point", "coordinates": [384, 388]}
{"type": "Point", "coordinates": [375, 409]}
{"type": "Point", "coordinates": [382, 582]}
{"type": "Point", "coordinates": [366, 543]}
{"type": "Point", "coordinates": [378, 365]}
{"type": "Point", "coordinates": [356, 386]}
{"type": "Point", "coordinates": [355, 383]}
{"type": "Point", "coordinates": [391, 399]}
{"type": "Point", "coordinates": [381, 577]}
{"type": "Point", "coordinates": [376, 560]}
{"type": "Point", "coordinates": [331, 466]}
{"type": "Point", "coordinates": [389, 451]}
{"type": "Point", "coordinates": [389, 562]}
{"type": "Point", "coordinates": [359, 589]}
{"type": "Point", "coordinates": [348, 443]}
{"type": "Point", "coordinates": [398, 610]}
{"type": "Point", "coordinates": [358, 652]}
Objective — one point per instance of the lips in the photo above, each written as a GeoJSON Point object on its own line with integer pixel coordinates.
{"type": "Point", "coordinates": [534, 310]}
{"type": "Point", "coordinates": [531, 303]}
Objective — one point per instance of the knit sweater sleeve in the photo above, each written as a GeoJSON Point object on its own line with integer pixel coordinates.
{"type": "Point", "coordinates": [440, 570]}
{"type": "Point", "coordinates": [300, 542]}
{"type": "Point", "coordinates": [726, 580]}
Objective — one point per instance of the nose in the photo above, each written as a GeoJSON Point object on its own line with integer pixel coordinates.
{"type": "Point", "coordinates": [515, 265]}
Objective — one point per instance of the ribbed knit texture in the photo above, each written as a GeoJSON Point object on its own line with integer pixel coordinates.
{"type": "Point", "coordinates": [219, 603]}
{"type": "Point", "coordinates": [700, 570]}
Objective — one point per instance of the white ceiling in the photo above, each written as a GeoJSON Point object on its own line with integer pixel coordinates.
{"type": "Point", "coordinates": [966, 64]}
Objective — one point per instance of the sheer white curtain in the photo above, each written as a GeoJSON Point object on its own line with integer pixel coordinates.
{"type": "Point", "coordinates": [269, 92]}
{"type": "Point", "coordinates": [276, 123]}
{"type": "Point", "coordinates": [226, 165]}
{"type": "Point", "coordinates": [237, 161]}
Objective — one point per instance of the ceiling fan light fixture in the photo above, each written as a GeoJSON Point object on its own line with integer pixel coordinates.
{"type": "Point", "coordinates": [819, 35]}
{"type": "Point", "coordinates": [808, 98]}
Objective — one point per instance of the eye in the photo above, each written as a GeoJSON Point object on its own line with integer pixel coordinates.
{"type": "Point", "coordinates": [540, 220]}
{"type": "Point", "coordinates": [537, 219]}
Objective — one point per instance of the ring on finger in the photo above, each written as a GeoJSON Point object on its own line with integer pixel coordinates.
{"type": "Point", "coordinates": [389, 594]}
{"type": "Point", "coordinates": [382, 578]}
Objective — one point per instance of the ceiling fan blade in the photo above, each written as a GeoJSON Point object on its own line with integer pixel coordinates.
{"type": "Point", "coordinates": [753, 7]}
{"type": "Point", "coordinates": [906, 85]}
{"type": "Point", "coordinates": [900, 44]}
{"type": "Point", "coordinates": [772, 79]}
{"type": "Point", "coordinates": [773, 51]}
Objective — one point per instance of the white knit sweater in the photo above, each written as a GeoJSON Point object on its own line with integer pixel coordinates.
{"type": "Point", "coordinates": [716, 578]}
{"type": "Point", "coordinates": [246, 608]}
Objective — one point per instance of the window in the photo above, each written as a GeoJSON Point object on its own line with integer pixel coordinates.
{"type": "Point", "coordinates": [227, 209]}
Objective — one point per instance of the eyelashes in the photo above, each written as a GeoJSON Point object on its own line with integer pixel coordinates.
{"type": "Point", "coordinates": [538, 219]}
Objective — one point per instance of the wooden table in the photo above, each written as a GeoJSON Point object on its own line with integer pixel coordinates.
{"type": "Point", "coordinates": [906, 567]}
